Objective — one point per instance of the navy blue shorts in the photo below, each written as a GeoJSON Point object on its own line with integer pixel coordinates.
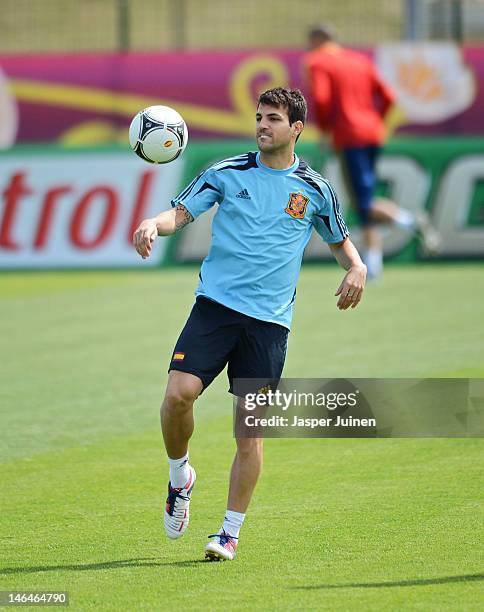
{"type": "Point", "coordinates": [359, 171]}
{"type": "Point", "coordinates": [215, 336]}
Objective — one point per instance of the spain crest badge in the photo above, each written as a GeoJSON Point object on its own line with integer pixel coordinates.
{"type": "Point", "coordinates": [296, 207]}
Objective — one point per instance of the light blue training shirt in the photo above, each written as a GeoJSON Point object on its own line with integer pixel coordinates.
{"type": "Point", "coordinates": [260, 230]}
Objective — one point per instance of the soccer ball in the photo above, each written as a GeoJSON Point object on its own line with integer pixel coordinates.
{"type": "Point", "coordinates": [158, 134]}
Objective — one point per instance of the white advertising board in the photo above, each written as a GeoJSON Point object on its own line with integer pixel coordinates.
{"type": "Point", "coordinates": [79, 209]}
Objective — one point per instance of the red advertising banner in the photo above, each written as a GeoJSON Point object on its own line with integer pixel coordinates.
{"type": "Point", "coordinates": [90, 98]}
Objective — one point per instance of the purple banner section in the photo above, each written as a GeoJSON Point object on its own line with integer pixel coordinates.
{"type": "Point", "coordinates": [91, 98]}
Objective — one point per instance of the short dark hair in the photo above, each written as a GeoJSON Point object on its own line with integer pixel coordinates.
{"type": "Point", "coordinates": [290, 99]}
{"type": "Point", "coordinates": [323, 32]}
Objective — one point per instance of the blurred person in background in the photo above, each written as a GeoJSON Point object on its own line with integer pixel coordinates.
{"type": "Point", "coordinates": [351, 103]}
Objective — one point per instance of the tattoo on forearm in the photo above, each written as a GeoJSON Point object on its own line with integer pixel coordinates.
{"type": "Point", "coordinates": [182, 218]}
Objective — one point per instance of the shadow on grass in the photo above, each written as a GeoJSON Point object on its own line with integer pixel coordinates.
{"type": "Point", "coordinates": [398, 583]}
{"type": "Point", "coordinates": [107, 565]}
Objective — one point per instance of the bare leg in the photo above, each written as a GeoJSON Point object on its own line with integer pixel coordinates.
{"type": "Point", "coordinates": [177, 412]}
{"type": "Point", "coordinates": [384, 210]}
{"type": "Point", "coordinates": [371, 237]}
{"type": "Point", "coordinates": [245, 471]}
{"type": "Point", "coordinates": [177, 426]}
{"type": "Point", "coordinates": [372, 251]}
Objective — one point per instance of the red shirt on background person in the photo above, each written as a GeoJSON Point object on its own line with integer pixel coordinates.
{"type": "Point", "coordinates": [350, 99]}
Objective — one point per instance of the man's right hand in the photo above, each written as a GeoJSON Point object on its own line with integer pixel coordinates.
{"type": "Point", "coordinates": [144, 237]}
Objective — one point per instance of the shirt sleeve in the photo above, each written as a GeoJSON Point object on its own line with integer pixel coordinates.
{"type": "Point", "coordinates": [320, 85]}
{"type": "Point", "coordinates": [327, 219]}
{"type": "Point", "coordinates": [201, 194]}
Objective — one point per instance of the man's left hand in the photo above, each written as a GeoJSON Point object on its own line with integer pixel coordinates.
{"type": "Point", "coordinates": [351, 289]}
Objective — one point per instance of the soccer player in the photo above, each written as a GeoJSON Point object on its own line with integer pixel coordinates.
{"type": "Point", "coordinates": [269, 203]}
{"type": "Point", "coordinates": [351, 103]}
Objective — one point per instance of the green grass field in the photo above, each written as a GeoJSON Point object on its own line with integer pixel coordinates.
{"type": "Point", "coordinates": [388, 524]}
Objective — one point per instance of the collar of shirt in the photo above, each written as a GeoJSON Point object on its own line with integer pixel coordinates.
{"type": "Point", "coordinates": [276, 170]}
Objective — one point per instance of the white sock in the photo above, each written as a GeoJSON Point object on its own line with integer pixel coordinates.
{"type": "Point", "coordinates": [405, 219]}
{"type": "Point", "coordinates": [233, 522]}
{"type": "Point", "coordinates": [179, 471]}
{"type": "Point", "coordinates": [373, 259]}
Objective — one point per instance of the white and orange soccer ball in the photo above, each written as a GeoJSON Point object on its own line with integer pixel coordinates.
{"type": "Point", "coordinates": [158, 134]}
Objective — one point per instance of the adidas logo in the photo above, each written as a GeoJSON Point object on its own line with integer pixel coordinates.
{"type": "Point", "coordinates": [244, 194]}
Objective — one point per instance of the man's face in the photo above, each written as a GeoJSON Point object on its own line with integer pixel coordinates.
{"type": "Point", "coordinates": [273, 131]}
